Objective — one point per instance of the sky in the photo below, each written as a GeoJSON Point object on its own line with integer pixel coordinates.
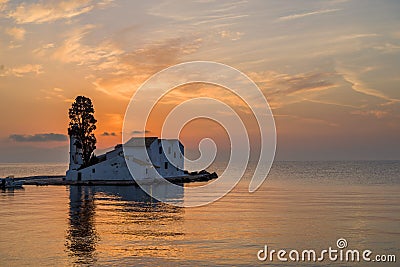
{"type": "Point", "coordinates": [328, 68]}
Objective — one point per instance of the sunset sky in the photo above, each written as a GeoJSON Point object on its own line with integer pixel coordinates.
{"type": "Point", "coordinates": [328, 68]}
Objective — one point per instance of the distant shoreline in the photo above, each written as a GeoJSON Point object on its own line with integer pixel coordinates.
{"type": "Point", "coordinates": [251, 161]}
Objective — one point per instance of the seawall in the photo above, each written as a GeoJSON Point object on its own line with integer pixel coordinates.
{"type": "Point", "coordinates": [60, 180]}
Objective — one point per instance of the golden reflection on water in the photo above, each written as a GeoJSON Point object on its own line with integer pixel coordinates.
{"type": "Point", "coordinates": [131, 223]}
{"type": "Point", "coordinates": [123, 226]}
{"type": "Point", "coordinates": [82, 237]}
{"type": "Point", "coordinates": [32, 226]}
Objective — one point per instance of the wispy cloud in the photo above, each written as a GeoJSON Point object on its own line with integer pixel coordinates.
{"type": "Point", "coordinates": [42, 12]}
{"type": "Point", "coordinates": [75, 50]}
{"type": "Point", "coordinates": [198, 13]}
{"type": "Point", "coordinates": [46, 137]}
{"type": "Point", "coordinates": [54, 94]}
{"type": "Point", "coordinates": [359, 86]}
{"type": "Point", "coordinates": [379, 114]}
{"type": "Point", "coordinates": [299, 83]}
{"type": "Point", "coordinates": [48, 11]}
{"type": "Point", "coordinates": [388, 48]}
{"type": "Point", "coordinates": [280, 89]}
{"type": "Point", "coordinates": [42, 50]}
{"type": "Point", "coordinates": [331, 103]}
{"type": "Point", "coordinates": [16, 33]}
{"type": "Point", "coordinates": [356, 36]}
{"type": "Point", "coordinates": [234, 36]}
{"type": "Point", "coordinates": [21, 71]}
{"type": "Point", "coordinates": [285, 84]}
{"type": "Point", "coordinates": [3, 5]}
{"type": "Point", "coordinates": [215, 19]}
{"type": "Point", "coordinates": [130, 69]}
{"type": "Point", "coordinates": [307, 14]}
{"type": "Point", "coordinates": [308, 120]}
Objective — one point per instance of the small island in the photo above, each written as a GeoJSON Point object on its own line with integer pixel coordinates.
{"type": "Point", "coordinates": [163, 158]}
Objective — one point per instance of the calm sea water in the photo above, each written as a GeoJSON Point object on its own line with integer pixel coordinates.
{"type": "Point", "coordinates": [302, 205]}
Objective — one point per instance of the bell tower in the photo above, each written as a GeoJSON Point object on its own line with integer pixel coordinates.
{"type": "Point", "coordinates": [75, 152]}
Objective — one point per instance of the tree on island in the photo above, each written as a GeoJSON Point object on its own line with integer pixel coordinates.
{"type": "Point", "coordinates": [81, 126]}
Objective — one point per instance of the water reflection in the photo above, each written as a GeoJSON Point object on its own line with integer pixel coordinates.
{"type": "Point", "coordinates": [121, 221]}
{"type": "Point", "coordinates": [11, 191]}
{"type": "Point", "coordinates": [81, 234]}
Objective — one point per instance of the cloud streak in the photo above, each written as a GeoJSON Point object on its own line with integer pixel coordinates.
{"type": "Point", "coordinates": [140, 132]}
{"type": "Point", "coordinates": [73, 50]}
{"type": "Point", "coordinates": [379, 114]}
{"type": "Point", "coordinates": [109, 134]}
{"type": "Point", "coordinates": [359, 86]}
{"type": "Point", "coordinates": [46, 137]}
{"type": "Point", "coordinates": [49, 11]}
{"type": "Point", "coordinates": [286, 84]}
{"type": "Point", "coordinates": [21, 71]}
{"type": "Point", "coordinates": [307, 14]}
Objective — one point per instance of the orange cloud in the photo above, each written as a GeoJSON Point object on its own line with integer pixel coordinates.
{"type": "Point", "coordinates": [74, 50]}
{"type": "Point", "coordinates": [21, 71]}
{"type": "Point", "coordinates": [55, 93]}
{"type": "Point", "coordinates": [130, 69]}
{"type": "Point", "coordinates": [3, 4]}
{"type": "Point", "coordinates": [233, 36]}
{"type": "Point", "coordinates": [48, 11]}
{"type": "Point", "coordinates": [283, 89]}
{"type": "Point", "coordinates": [359, 86]}
{"type": "Point", "coordinates": [16, 33]}
{"type": "Point", "coordinates": [292, 84]}
{"type": "Point", "coordinates": [41, 51]}
{"type": "Point", "coordinates": [376, 113]}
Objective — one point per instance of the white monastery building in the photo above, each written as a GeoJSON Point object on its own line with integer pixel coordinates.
{"type": "Point", "coordinates": [164, 157]}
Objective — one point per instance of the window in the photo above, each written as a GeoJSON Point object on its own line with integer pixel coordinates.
{"type": "Point", "coordinates": [160, 150]}
{"type": "Point", "coordinates": [174, 155]}
{"type": "Point", "coordinates": [93, 170]}
{"type": "Point", "coordinates": [166, 165]}
{"type": "Point", "coordinates": [169, 150]}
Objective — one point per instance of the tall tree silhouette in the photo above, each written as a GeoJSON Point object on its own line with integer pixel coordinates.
{"type": "Point", "coordinates": [81, 126]}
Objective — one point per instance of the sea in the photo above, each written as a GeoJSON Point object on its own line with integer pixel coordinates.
{"type": "Point", "coordinates": [301, 206]}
